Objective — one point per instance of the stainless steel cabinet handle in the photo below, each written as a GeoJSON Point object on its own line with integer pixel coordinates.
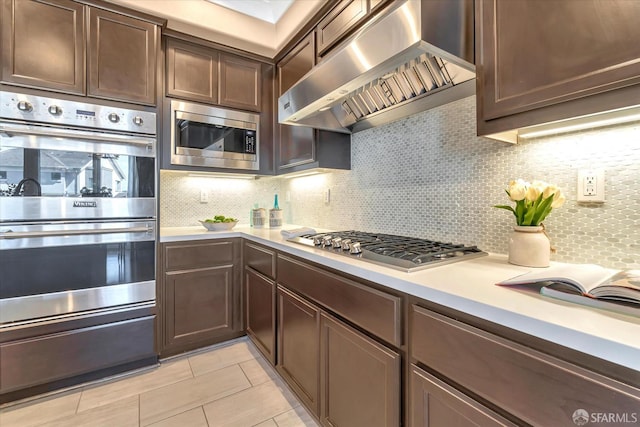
{"type": "Point", "coordinates": [27, 234]}
{"type": "Point", "coordinates": [125, 139]}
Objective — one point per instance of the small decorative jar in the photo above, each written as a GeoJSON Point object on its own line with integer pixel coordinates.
{"type": "Point", "coordinates": [529, 246]}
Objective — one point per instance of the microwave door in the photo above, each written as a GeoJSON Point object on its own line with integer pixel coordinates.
{"type": "Point", "coordinates": [219, 138]}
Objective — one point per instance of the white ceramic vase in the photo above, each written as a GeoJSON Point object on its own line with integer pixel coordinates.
{"type": "Point", "coordinates": [529, 246]}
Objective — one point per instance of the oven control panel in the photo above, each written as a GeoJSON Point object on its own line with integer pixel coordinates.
{"type": "Point", "coordinates": [20, 106]}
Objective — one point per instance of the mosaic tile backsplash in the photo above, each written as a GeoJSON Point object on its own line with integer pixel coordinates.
{"type": "Point", "coordinates": [430, 176]}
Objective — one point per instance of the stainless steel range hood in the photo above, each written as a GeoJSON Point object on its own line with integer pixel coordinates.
{"type": "Point", "coordinates": [416, 55]}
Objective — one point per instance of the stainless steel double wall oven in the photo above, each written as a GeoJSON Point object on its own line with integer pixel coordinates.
{"type": "Point", "coordinates": [77, 207]}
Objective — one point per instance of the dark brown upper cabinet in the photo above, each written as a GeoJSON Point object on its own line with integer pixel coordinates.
{"type": "Point", "coordinates": [297, 144]}
{"type": "Point", "coordinates": [540, 63]}
{"type": "Point", "coordinates": [202, 74]}
{"type": "Point", "coordinates": [121, 57]}
{"type": "Point", "coordinates": [49, 45]}
{"type": "Point", "coordinates": [239, 83]}
{"type": "Point", "coordinates": [345, 16]}
{"type": "Point", "coordinates": [192, 72]}
{"type": "Point", "coordinates": [302, 147]}
{"type": "Point", "coordinates": [298, 62]}
{"type": "Point", "coordinates": [43, 44]}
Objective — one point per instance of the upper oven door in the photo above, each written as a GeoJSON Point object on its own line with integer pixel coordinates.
{"type": "Point", "coordinates": [213, 137]}
{"type": "Point", "coordinates": [51, 173]}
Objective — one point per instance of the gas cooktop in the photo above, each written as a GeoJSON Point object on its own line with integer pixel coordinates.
{"type": "Point", "coordinates": [399, 252]}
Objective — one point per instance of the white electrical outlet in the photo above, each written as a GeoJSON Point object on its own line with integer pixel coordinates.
{"type": "Point", "coordinates": [287, 197]}
{"type": "Point", "coordinates": [327, 196]}
{"type": "Point", "coordinates": [204, 196]}
{"type": "Point", "coordinates": [591, 185]}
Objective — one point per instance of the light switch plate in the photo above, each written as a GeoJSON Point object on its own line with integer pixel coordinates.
{"type": "Point", "coordinates": [591, 186]}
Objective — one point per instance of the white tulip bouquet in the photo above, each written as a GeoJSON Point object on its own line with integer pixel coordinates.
{"type": "Point", "coordinates": [534, 201]}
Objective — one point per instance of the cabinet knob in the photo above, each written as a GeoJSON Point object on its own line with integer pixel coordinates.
{"type": "Point", "coordinates": [113, 118]}
{"type": "Point", "coordinates": [137, 120]}
{"type": "Point", "coordinates": [55, 110]}
{"type": "Point", "coordinates": [25, 106]}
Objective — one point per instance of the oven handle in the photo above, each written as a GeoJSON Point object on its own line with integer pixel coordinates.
{"type": "Point", "coordinates": [27, 234]}
{"type": "Point", "coordinates": [124, 139]}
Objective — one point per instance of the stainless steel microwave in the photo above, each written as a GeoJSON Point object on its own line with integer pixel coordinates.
{"type": "Point", "coordinates": [207, 136]}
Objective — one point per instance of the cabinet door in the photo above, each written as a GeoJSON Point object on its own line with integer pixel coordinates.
{"type": "Point", "coordinates": [297, 143]}
{"type": "Point", "coordinates": [122, 57]}
{"type": "Point", "coordinates": [299, 346]}
{"type": "Point", "coordinates": [43, 44]}
{"type": "Point", "coordinates": [192, 72]}
{"type": "Point", "coordinates": [298, 62]}
{"type": "Point", "coordinates": [260, 299]}
{"type": "Point", "coordinates": [339, 21]}
{"type": "Point", "coordinates": [198, 305]}
{"type": "Point", "coordinates": [360, 379]}
{"type": "Point", "coordinates": [436, 404]}
{"type": "Point", "coordinates": [239, 84]}
{"type": "Point", "coordinates": [532, 56]}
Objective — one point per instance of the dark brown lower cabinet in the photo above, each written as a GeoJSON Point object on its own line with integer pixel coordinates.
{"type": "Point", "coordinates": [299, 347]}
{"type": "Point", "coordinates": [260, 312]}
{"type": "Point", "coordinates": [200, 296]}
{"type": "Point", "coordinates": [520, 382]}
{"type": "Point", "coordinates": [436, 404]}
{"type": "Point", "coordinates": [360, 378]}
{"type": "Point", "coordinates": [199, 305]}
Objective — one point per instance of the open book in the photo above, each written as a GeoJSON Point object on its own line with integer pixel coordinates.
{"type": "Point", "coordinates": [587, 284]}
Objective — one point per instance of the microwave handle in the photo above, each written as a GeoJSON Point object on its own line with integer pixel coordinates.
{"type": "Point", "coordinates": [27, 234]}
{"type": "Point", "coordinates": [56, 133]}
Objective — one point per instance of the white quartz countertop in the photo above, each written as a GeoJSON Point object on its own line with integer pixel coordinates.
{"type": "Point", "coordinates": [469, 286]}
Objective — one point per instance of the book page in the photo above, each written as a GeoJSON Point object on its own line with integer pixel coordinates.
{"type": "Point", "coordinates": [624, 284]}
{"type": "Point", "coordinates": [583, 276]}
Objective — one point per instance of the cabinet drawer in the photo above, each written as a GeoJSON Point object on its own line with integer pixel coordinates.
{"type": "Point", "coordinates": [261, 259]}
{"type": "Point", "coordinates": [373, 310]}
{"type": "Point", "coordinates": [66, 354]}
{"type": "Point", "coordinates": [530, 385]}
{"type": "Point", "coordinates": [185, 256]}
{"type": "Point", "coordinates": [437, 404]}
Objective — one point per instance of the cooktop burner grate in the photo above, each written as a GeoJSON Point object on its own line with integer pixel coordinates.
{"type": "Point", "coordinates": [400, 252]}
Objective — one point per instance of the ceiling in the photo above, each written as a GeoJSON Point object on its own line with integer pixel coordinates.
{"type": "Point", "coordinates": [266, 10]}
{"type": "Point", "coordinates": [232, 24]}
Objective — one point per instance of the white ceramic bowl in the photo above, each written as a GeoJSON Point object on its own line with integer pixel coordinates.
{"type": "Point", "coordinates": [218, 226]}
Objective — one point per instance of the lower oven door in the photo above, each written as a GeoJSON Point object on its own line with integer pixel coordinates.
{"type": "Point", "coordinates": [52, 269]}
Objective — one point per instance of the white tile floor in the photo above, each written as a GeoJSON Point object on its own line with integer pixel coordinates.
{"type": "Point", "coordinates": [226, 385]}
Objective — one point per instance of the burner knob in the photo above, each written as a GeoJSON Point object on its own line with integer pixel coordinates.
{"type": "Point", "coordinates": [345, 244]}
{"type": "Point", "coordinates": [336, 243]}
{"type": "Point", "coordinates": [326, 240]}
{"type": "Point", "coordinates": [113, 117]}
{"type": "Point", "coordinates": [25, 106]}
{"type": "Point", "coordinates": [54, 110]}
{"type": "Point", "coordinates": [317, 240]}
{"type": "Point", "coordinates": [137, 120]}
{"type": "Point", "coordinates": [354, 248]}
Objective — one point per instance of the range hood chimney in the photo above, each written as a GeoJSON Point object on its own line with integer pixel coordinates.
{"type": "Point", "coordinates": [416, 55]}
